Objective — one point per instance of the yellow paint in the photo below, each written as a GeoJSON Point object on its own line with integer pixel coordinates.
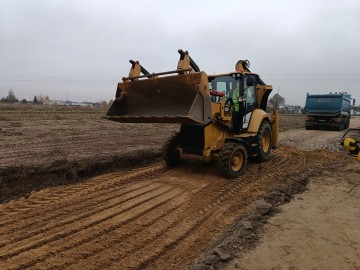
{"type": "Point", "coordinates": [214, 137]}
{"type": "Point", "coordinates": [257, 117]}
{"type": "Point", "coordinates": [275, 128]}
{"type": "Point", "coordinates": [347, 145]}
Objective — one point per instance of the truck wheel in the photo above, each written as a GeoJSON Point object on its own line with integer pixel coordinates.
{"type": "Point", "coordinates": [170, 153]}
{"type": "Point", "coordinates": [264, 142]}
{"type": "Point", "coordinates": [347, 123]}
{"type": "Point", "coordinates": [341, 125]}
{"type": "Point", "coordinates": [232, 159]}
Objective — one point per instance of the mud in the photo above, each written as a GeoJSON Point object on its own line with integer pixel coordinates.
{"type": "Point", "coordinates": [149, 217]}
{"type": "Point", "coordinates": [317, 230]}
{"type": "Point", "coordinates": [40, 153]}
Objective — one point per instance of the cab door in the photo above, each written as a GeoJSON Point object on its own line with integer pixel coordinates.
{"type": "Point", "coordinates": [249, 101]}
{"type": "Point", "coordinates": [250, 93]}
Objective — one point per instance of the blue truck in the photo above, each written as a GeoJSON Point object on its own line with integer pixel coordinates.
{"type": "Point", "coordinates": [331, 111]}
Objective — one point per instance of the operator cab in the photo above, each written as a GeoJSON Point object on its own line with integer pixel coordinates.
{"type": "Point", "coordinates": [239, 90]}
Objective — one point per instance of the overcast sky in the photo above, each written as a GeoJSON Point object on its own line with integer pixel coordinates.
{"type": "Point", "coordinates": [80, 49]}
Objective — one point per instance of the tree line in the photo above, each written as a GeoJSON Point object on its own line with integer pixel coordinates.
{"type": "Point", "coordinates": [41, 99]}
{"type": "Point", "coordinates": [11, 98]}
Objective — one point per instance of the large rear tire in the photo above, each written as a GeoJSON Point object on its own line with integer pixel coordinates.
{"type": "Point", "coordinates": [170, 152]}
{"type": "Point", "coordinates": [264, 142]}
{"type": "Point", "coordinates": [347, 123]}
{"type": "Point", "coordinates": [341, 125]}
{"type": "Point", "coordinates": [232, 160]}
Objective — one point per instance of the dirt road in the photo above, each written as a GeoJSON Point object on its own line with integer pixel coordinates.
{"type": "Point", "coordinates": [320, 228]}
{"type": "Point", "coordinates": [154, 218]}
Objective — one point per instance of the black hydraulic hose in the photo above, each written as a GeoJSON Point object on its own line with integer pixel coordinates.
{"type": "Point", "coordinates": [143, 70]}
{"type": "Point", "coordinates": [192, 62]}
{"type": "Point", "coordinates": [221, 125]}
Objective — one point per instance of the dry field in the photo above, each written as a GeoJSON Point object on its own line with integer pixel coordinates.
{"type": "Point", "coordinates": [78, 192]}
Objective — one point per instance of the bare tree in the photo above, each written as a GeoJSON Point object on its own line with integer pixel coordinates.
{"type": "Point", "coordinates": [276, 101]}
{"type": "Point", "coordinates": [42, 99]}
{"type": "Point", "coordinates": [11, 98]}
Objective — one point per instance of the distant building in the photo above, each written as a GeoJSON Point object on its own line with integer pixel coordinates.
{"type": "Point", "coordinates": [82, 104]}
{"type": "Point", "coordinates": [53, 102]}
{"type": "Point", "coordinates": [71, 103]}
{"type": "Point", "coordinates": [291, 109]}
{"type": "Point", "coordinates": [87, 104]}
{"type": "Point", "coordinates": [355, 110]}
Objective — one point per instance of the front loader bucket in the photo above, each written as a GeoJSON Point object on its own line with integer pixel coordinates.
{"type": "Point", "coordinates": [182, 98]}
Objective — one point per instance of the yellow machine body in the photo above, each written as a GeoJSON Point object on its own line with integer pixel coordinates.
{"type": "Point", "coordinates": [351, 141]}
{"type": "Point", "coordinates": [200, 103]}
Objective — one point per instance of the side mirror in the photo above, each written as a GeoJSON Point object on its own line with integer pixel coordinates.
{"type": "Point", "coordinates": [250, 81]}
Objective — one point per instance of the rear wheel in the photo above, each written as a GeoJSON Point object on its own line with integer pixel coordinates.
{"type": "Point", "coordinates": [232, 159]}
{"type": "Point", "coordinates": [170, 152]}
{"type": "Point", "coordinates": [264, 142]}
{"type": "Point", "coordinates": [341, 125]}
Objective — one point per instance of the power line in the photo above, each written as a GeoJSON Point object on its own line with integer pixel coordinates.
{"type": "Point", "coordinates": [111, 78]}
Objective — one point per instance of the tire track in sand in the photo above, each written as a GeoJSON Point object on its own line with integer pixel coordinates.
{"type": "Point", "coordinates": [145, 224]}
{"type": "Point", "coordinates": [83, 192]}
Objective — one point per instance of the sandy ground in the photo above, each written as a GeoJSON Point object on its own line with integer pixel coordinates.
{"type": "Point", "coordinates": [150, 217]}
{"type": "Point", "coordinates": [320, 228]}
{"type": "Point", "coordinates": [146, 218]}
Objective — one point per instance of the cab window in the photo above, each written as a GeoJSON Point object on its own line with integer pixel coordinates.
{"type": "Point", "coordinates": [222, 83]}
{"type": "Point", "coordinates": [250, 91]}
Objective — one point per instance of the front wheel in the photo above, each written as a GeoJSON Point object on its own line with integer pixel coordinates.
{"type": "Point", "coordinates": [264, 142]}
{"type": "Point", "coordinates": [232, 159]}
{"type": "Point", "coordinates": [341, 125]}
{"type": "Point", "coordinates": [170, 152]}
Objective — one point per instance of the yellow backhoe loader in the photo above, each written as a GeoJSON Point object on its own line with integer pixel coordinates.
{"type": "Point", "coordinates": [216, 124]}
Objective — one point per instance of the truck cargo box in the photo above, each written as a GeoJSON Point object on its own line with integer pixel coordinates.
{"type": "Point", "coordinates": [327, 110]}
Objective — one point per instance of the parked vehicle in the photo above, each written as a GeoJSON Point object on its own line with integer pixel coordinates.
{"type": "Point", "coordinates": [204, 105]}
{"type": "Point", "coordinates": [327, 110]}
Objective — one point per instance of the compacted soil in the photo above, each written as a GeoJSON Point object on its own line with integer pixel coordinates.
{"type": "Point", "coordinates": [91, 194]}
{"type": "Point", "coordinates": [318, 229]}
